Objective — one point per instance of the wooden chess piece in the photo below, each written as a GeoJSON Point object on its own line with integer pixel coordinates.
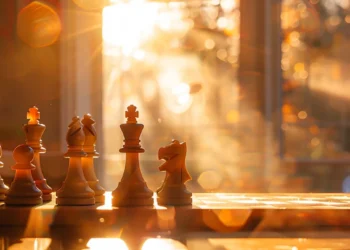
{"type": "Point", "coordinates": [173, 191]}
{"type": "Point", "coordinates": [34, 130]}
{"type": "Point", "coordinates": [75, 189]}
{"type": "Point", "coordinates": [3, 188]}
{"type": "Point", "coordinates": [23, 190]}
{"type": "Point", "coordinates": [88, 161]}
{"type": "Point", "coordinates": [132, 189]}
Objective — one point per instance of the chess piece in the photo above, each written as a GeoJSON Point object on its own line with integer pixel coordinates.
{"type": "Point", "coordinates": [3, 188]}
{"type": "Point", "coordinates": [88, 161]}
{"type": "Point", "coordinates": [132, 189]}
{"type": "Point", "coordinates": [75, 189]}
{"type": "Point", "coordinates": [34, 130]}
{"type": "Point", "coordinates": [173, 190]}
{"type": "Point", "coordinates": [23, 190]}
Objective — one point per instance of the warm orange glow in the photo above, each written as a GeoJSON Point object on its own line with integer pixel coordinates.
{"type": "Point", "coordinates": [164, 244]}
{"type": "Point", "coordinates": [38, 25]}
{"type": "Point", "coordinates": [33, 115]}
{"type": "Point", "coordinates": [127, 25]}
{"type": "Point", "coordinates": [90, 4]}
{"type": "Point", "coordinates": [31, 243]}
{"type": "Point", "coordinates": [107, 244]}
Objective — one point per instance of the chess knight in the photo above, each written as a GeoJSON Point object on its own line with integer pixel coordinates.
{"type": "Point", "coordinates": [173, 190]}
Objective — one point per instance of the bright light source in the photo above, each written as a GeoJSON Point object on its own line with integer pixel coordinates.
{"type": "Point", "coordinates": [107, 244]}
{"type": "Point", "coordinates": [163, 244]}
{"type": "Point", "coordinates": [127, 25]}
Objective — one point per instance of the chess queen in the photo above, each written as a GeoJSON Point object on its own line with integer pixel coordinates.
{"type": "Point", "coordinates": [132, 189]}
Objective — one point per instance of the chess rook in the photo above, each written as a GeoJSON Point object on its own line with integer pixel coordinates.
{"type": "Point", "coordinates": [75, 189]}
{"type": "Point", "coordinates": [88, 161]}
{"type": "Point", "coordinates": [3, 188]}
{"type": "Point", "coordinates": [23, 190]}
{"type": "Point", "coordinates": [132, 189]}
{"type": "Point", "coordinates": [173, 191]}
{"type": "Point", "coordinates": [34, 130]}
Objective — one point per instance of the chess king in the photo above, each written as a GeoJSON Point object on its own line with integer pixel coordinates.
{"type": "Point", "coordinates": [34, 130]}
{"type": "Point", "coordinates": [3, 188]}
{"type": "Point", "coordinates": [75, 189]}
{"type": "Point", "coordinates": [173, 190]}
{"type": "Point", "coordinates": [132, 189]}
{"type": "Point", "coordinates": [88, 161]}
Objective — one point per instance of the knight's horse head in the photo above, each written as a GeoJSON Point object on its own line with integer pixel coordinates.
{"type": "Point", "coordinates": [174, 149]}
{"type": "Point", "coordinates": [174, 155]}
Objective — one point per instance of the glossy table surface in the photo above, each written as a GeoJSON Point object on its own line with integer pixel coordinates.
{"type": "Point", "coordinates": [273, 218]}
{"type": "Point", "coordinates": [189, 244]}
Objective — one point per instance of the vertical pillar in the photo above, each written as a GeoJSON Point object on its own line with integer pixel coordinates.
{"type": "Point", "coordinates": [259, 79]}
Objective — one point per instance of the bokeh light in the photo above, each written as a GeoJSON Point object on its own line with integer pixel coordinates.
{"type": "Point", "coordinates": [38, 25]}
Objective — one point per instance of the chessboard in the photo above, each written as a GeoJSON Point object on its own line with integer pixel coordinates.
{"type": "Point", "coordinates": [210, 212]}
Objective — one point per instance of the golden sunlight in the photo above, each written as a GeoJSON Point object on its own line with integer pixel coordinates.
{"type": "Point", "coordinates": [107, 244]}
{"type": "Point", "coordinates": [127, 25]}
{"type": "Point", "coordinates": [164, 244]}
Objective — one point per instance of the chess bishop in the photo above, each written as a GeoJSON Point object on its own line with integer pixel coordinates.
{"type": "Point", "coordinates": [75, 189]}
{"type": "Point", "coordinates": [88, 161]}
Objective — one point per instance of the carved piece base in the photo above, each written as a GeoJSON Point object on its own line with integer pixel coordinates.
{"type": "Point", "coordinates": [3, 189]}
{"type": "Point", "coordinates": [100, 199]}
{"type": "Point", "coordinates": [23, 201]}
{"type": "Point", "coordinates": [45, 188]}
{"type": "Point", "coordinates": [134, 194]}
{"type": "Point", "coordinates": [174, 195]}
{"type": "Point", "coordinates": [3, 192]}
{"type": "Point", "coordinates": [126, 202]}
{"type": "Point", "coordinates": [47, 197]}
{"type": "Point", "coordinates": [75, 201]}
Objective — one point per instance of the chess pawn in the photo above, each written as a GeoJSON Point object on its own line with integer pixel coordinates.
{"type": "Point", "coordinates": [34, 130]}
{"type": "Point", "coordinates": [132, 189]}
{"type": "Point", "coordinates": [75, 189]}
{"type": "Point", "coordinates": [23, 190]}
{"type": "Point", "coordinates": [173, 191]}
{"type": "Point", "coordinates": [3, 188]}
{"type": "Point", "coordinates": [88, 161]}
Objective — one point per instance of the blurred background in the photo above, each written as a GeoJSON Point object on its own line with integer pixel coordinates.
{"type": "Point", "coordinates": [257, 88]}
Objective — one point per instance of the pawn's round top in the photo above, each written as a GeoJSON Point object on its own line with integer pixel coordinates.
{"type": "Point", "coordinates": [23, 154]}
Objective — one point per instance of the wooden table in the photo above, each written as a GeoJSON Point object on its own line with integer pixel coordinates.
{"type": "Point", "coordinates": [210, 212]}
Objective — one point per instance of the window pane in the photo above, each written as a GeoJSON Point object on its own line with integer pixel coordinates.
{"type": "Point", "coordinates": [178, 64]}
{"type": "Point", "coordinates": [315, 65]}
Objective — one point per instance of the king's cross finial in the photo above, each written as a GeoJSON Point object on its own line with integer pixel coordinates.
{"type": "Point", "coordinates": [131, 114]}
{"type": "Point", "coordinates": [33, 115]}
